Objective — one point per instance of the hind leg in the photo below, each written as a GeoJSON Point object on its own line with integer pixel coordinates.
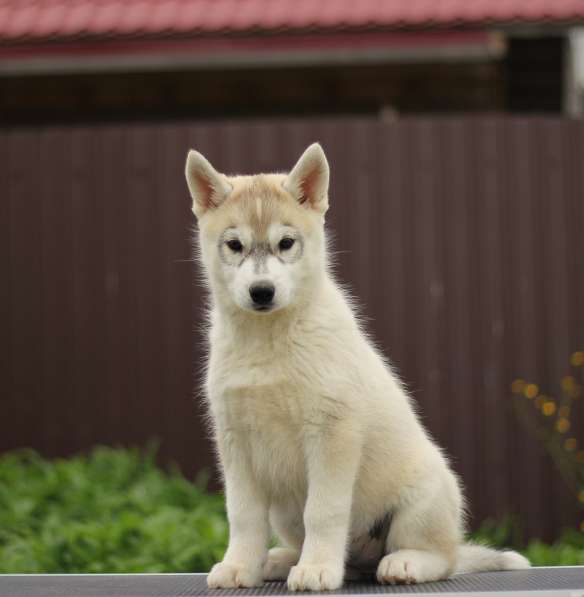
{"type": "Point", "coordinates": [286, 522]}
{"type": "Point", "coordinates": [424, 536]}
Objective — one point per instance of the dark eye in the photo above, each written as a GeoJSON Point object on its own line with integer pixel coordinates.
{"type": "Point", "coordinates": [235, 245]}
{"type": "Point", "coordinates": [286, 243]}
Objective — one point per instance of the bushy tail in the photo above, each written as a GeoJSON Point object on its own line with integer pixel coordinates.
{"type": "Point", "coordinates": [479, 558]}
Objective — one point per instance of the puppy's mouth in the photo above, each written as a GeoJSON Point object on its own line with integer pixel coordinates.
{"type": "Point", "coordinates": [263, 308]}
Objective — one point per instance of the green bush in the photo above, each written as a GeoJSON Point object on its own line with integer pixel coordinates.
{"type": "Point", "coordinates": [568, 550]}
{"type": "Point", "coordinates": [110, 511]}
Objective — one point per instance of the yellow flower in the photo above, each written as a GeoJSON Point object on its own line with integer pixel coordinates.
{"type": "Point", "coordinates": [548, 408]}
{"type": "Point", "coordinates": [517, 386]}
{"type": "Point", "coordinates": [570, 444]}
{"type": "Point", "coordinates": [568, 383]}
{"type": "Point", "coordinates": [540, 401]}
{"type": "Point", "coordinates": [577, 359]}
{"type": "Point", "coordinates": [531, 390]}
{"type": "Point", "coordinates": [563, 425]}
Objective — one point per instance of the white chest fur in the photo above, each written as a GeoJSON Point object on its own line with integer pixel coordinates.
{"type": "Point", "coordinates": [256, 401]}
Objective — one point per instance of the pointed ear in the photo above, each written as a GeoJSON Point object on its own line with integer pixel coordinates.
{"type": "Point", "coordinates": [208, 187]}
{"type": "Point", "coordinates": [309, 179]}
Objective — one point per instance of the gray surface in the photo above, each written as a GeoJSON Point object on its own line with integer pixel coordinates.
{"type": "Point", "coordinates": [549, 581]}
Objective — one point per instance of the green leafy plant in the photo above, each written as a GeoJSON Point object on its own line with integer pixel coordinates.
{"type": "Point", "coordinates": [110, 511]}
{"type": "Point", "coordinates": [568, 550]}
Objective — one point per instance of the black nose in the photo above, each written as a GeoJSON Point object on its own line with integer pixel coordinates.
{"type": "Point", "coordinates": [262, 294]}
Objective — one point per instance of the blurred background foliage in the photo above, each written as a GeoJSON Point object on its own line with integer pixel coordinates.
{"type": "Point", "coordinates": [555, 421]}
{"type": "Point", "coordinates": [114, 510]}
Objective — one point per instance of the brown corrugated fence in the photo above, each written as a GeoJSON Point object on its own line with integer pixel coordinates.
{"type": "Point", "coordinates": [462, 237]}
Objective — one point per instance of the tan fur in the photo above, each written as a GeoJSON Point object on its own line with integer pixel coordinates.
{"type": "Point", "coordinates": [241, 207]}
{"type": "Point", "coordinates": [317, 439]}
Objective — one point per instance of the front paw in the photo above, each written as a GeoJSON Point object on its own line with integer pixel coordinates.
{"type": "Point", "coordinates": [315, 578]}
{"type": "Point", "coordinates": [233, 576]}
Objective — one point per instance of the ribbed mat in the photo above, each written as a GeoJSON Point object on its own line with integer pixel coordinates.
{"type": "Point", "coordinates": [186, 585]}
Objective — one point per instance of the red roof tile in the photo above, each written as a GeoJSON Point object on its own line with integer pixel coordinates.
{"type": "Point", "coordinates": [31, 20]}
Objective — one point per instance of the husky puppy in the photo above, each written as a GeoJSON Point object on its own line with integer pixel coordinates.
{"type": "Point", "coordinates": [317, 439]}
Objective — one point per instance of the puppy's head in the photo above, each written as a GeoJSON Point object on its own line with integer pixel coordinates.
{"type": "Point", "coordinates": [261, 237]}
